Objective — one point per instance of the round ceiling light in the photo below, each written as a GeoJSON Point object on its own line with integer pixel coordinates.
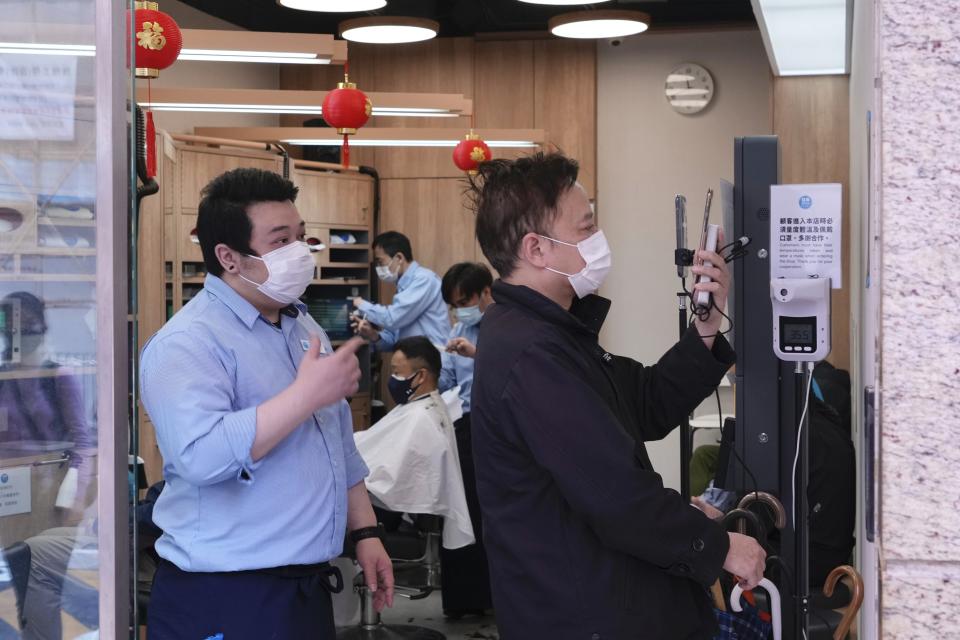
{"type": "Point", "coordinates": [563, 2]}
{"type": "Point", "coordinates": [388, 29]}
{"type": "Point", "coordinates": [334, 6]}
{"type": "Point", "coordinates": [599, 24]}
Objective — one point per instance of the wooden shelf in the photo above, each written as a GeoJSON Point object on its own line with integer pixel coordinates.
{"type": "Point", "coordinates": [62, 370]}
{"type": "Point", "coordinates": [358, 247]}
{"type": "Point", "coordinates": [47, 277]}
{"type": "Point", "coordinates": [66, 222]}
{"type": "Point", "coordinates": [59, 251]}
{"type": "Point", "coordinates": [193, 280]}
{"type": "Point", "coordinates": [345, 265]}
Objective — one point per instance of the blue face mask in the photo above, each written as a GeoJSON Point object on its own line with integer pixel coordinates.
{"type": "Point", "coordinates": [469, 316]}
{"type": "Point", "coordinates": [401, 389]}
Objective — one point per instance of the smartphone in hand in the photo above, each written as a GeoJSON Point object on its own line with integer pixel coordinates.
{"type": "Point", "coordinates": [709, 234]}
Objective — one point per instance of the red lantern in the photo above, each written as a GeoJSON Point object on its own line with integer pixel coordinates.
{"type": "Point", "coordinates": [158, 40]}
{"type": "Point", "coordinates": [347, 109]}
{"type": "Point", "coordinates": [158, 44]}
{"type": "Point", "coordinates": [470, 153]}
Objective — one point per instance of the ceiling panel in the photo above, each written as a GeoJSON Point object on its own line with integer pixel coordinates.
{"type": "Point", "coordinates": [472, 17]}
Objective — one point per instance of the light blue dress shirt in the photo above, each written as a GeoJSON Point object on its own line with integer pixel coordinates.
{"type": "Point", "coordinates": [417, 309]}
{"type": "Point", "coordinates": [202, 377]}
{"type": "Point", "coordinates": [457, 369]}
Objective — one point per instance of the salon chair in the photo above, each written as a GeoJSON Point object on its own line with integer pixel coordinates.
{"type": "Point", "coordinates": [416, 558]}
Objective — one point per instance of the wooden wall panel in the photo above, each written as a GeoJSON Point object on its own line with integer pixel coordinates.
{"type": "Point", "coordinates": [811, 117]}
{"type": "Point", "coordinates": [432, 214]}
{"type": "Point", "coordinates": [443, 65]}
{"type": "Point", "coordinates": [503, 85]}
{"type": "Point", "coordinates": [565, 101]}
{"type": "Point", "coordinates": [548, 84]}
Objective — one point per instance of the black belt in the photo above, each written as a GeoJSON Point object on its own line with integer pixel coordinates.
{"type": "Point", "coordinates": [323, 572]}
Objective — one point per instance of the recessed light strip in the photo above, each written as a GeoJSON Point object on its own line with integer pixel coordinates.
{"type": "Point", "coordinates": [35, 48]}
{"type": "Point", "coordinates": [377, 136]}
{"type": "Point", "coordinates": [408, 143]}
{"type": "Point", "coordinates": [395, 104]}
{"type": "Point", "coordinates": [803, 37]}
{"type": "Point", "coordinates": [290, 109]}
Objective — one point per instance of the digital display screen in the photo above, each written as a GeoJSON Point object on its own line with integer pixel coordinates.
{"type": "Point", "coordinates": [798, 334]}
{"type": "Point", "coordinates": [332, 315]}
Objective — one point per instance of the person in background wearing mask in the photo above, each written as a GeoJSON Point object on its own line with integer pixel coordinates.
{"type": "Point", "coordinates": [584, 541]}
{"type": "Point", "coordinates": [417, 308]}
{"type": "Point", "coordinates": [46, 409]}
{"type": "Point", "coordinates": [412, 452]}
{"type": "Point", "coordinates": [247, 396]}
{"type": "Point", "coordinates": [466, 287]}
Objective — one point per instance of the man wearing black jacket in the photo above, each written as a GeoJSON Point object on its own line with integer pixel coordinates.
{"type": "Point", "coordinates": [584, 541]}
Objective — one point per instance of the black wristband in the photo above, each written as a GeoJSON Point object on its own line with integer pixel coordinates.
{"type": "Point", "coordinates": [366, 532]}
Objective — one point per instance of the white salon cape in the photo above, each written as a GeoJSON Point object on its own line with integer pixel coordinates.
{"type": "Point", "coordinates": [414, 467]}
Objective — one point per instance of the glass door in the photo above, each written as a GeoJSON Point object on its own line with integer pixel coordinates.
{"type": "Point", "coordinates": [64, 203]}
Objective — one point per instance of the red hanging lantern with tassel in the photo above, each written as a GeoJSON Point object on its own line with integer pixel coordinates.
{"type": "Point", "coordinates": [157, 46]}
{"type": "Point", "coordinates": [471, 151]}
{"type": "Point", "coordinates": [346, 108]}
{"type": "Point", "coordinates": [158, 39]}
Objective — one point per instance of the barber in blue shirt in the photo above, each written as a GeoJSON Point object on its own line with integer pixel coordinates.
{"type": "Point", "coordinates": [417, 308]}
{"type": "Point", "coordinates": [247, 397]}
{"type": "Point", "coordinates": [466, 287]}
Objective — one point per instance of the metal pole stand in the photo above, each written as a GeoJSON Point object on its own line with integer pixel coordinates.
{"type": "Point", "coordinates": [686, 438]}
{"type": "Point", "coordinates": [801, 508]}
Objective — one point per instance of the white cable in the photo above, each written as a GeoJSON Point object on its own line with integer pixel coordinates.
{"type": "Point", "coordinates": [796, 457]}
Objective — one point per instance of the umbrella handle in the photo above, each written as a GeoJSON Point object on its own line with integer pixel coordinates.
{"type": "Point", "coordinates": [768, 499]}
{"type": "Point", "coordinates": [774, 593]}
{"type": "Point", "coordinates": [845, 571]}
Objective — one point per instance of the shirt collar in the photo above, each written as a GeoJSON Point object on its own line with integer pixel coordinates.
{"type": "Point", "coordinates": [407, 276]}
{"type": "Point", "coordinates": [246, 312]}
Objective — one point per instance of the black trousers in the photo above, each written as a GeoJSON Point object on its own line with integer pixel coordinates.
{"type": "Point", "coordinates": [242, 605]}
{"type": "Point", "coordinates": [465, 575]}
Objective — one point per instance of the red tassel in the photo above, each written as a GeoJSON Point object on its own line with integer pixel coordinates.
{"type": "Point", "coordinates": [346, 151]}
{"type": "Point", "coordinates": [151, 144]}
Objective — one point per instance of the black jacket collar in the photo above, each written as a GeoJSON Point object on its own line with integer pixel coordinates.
{"type": "Point", "coordinates": [586, 315]}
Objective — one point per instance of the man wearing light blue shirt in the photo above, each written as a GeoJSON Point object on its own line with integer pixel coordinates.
{"type": "Point", "coordinates": [417, 308]}
{"type": "Point", "coordinates": [247, 397]}
{"type": "Point", "coordinates": [466, 287]}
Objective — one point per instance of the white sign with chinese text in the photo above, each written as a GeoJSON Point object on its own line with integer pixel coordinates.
{"type": "Point", "coordinates": [14, 491]}
{"type": "Point", "coordinates": [37, 95]}
{"type": "Point", "coordinates": [805, 223]}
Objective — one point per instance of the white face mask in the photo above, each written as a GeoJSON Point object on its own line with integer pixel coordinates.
{"type": "Point", "coordinates": [469, 316]}
{"type": "Point", "coordinates": [385, 274]}
{"type": "Point", "coordinates": [596, 254]}
{"type": "Point", "coordinates": [289, 270]}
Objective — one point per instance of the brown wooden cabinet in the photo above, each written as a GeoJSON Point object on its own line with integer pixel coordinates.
{"type": "Point", "coordinates": [334, 198]}
{"type": "Point", "coordinates": [200, 165]}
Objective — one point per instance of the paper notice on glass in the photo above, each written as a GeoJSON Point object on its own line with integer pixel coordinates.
{"type": "Point", "coordinates": [805, 231]}
{"type": "Point", "coordinates": [37, 94]}
{"type": "Point", "coordinates": [14, 491]}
